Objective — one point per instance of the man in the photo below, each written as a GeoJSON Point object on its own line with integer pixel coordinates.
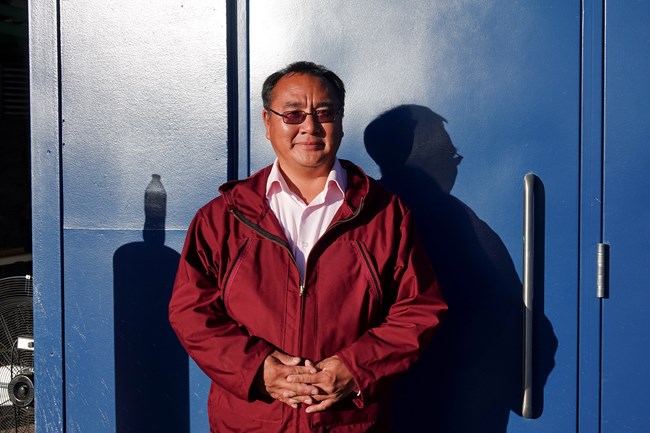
{"type": "Point", "coordinates": [302, 290]}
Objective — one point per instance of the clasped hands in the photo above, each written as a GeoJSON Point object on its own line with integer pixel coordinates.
{"type": "Point", "coordinates": [317, 385]}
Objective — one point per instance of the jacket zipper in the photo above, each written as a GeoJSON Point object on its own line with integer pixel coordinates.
{"type": "Point", "coordinates": [278, 240]}
{"type": "Point", "coordinates": [301, 320]}
{"type": "Point", "coordinates": [344, 220]}
{"type": "Point", "coordinates": [337, 223]}
{"type": "Point", "coordinates": [270, 236]}
{"type": "Point", "coordinates": [303, 290]}
{"type": "Point", "coordinates": [273, 238]}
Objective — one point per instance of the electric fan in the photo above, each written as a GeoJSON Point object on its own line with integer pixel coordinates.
{"type": "Point", "coordinates": [16, 355]}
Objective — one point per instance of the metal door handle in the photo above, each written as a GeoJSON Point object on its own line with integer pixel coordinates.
{"type": "Point", "coordinates": [528, 292]}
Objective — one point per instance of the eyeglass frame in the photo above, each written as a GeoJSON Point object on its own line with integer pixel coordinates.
{"type": "Point", "coordinates": [314, 114]}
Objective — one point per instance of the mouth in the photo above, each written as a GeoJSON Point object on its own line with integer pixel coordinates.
{"type": "Point", "coordinates": [310, 144]}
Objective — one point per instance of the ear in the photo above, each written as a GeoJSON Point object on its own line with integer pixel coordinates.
{"type": "Point", "coordinates": [266, 118]}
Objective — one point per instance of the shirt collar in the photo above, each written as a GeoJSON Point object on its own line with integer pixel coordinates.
{"type": "Point", "coordinates": [276, 183]}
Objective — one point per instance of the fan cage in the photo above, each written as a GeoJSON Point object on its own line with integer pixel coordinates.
{"type": "Point", "coordinates": [16, 320]}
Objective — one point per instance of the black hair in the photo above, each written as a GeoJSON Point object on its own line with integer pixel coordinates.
{"type": "Point", "coordinates": [303, 67]}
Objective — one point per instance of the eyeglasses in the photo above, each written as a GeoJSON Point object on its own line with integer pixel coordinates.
{"type": "Point", "coordinates": [296, 117]}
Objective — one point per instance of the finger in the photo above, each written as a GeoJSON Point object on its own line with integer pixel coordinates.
{"type": "Point", "coordinates": [288, 394]}
{"type": "Point", "coordinates": [289, 390]}
{"type": "Point", "coordinates": [302, 389]}
{"type": "Point", "coordinates": [300, 369]}
{"type": "Point", "coordinates": [300, 395]}
{"type": "Point", "coordinates": [289, 403]}
{"type": "Point", "coordinates": [278, 396]}
{"type": "Point", "coordinates": [294, 401]}
{"type": "Point", "coordinates": [302, 378]}
{"type": "Point", "coordinates": [286, 359]}
{"type": "Point", "coordinates": [275, 377]}
{"type": "Point", "coordinates": [285, 371]}
{"type": "Point", "coordinates": [323, 405]}
{"type": "Point", "coordinates": [301, 400]}
{"type": "Point", "coordinates": [322, 397]}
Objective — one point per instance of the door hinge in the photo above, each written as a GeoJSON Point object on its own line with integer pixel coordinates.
{"type": "Point", "coordinates": [602, 272]}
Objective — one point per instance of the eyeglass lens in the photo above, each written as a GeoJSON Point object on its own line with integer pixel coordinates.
{"type": "Point", "coordinates": [298, 116]}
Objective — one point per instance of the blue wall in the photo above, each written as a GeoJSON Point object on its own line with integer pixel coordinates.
{"type": "Point", "coordinates": [122, 91]}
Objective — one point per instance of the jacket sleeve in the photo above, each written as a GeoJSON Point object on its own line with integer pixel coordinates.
{"type": "Point", "coordinates": [416, 309]}
{"type": "Point", "coordinates": [220, 347]}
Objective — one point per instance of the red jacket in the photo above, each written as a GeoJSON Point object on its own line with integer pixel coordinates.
{"type": "Point", "coordinates": [369, 296]}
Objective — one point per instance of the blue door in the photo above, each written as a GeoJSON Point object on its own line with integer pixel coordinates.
{"type": "Point", "coordinates": [142, 96]}
{"type": "Point", "coordinates": [451, 104]}
{"type": "Point", "coordinates": [626, 216]}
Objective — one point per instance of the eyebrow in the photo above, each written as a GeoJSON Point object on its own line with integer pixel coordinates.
{"type": "Point", "coordinates": [298, 105]}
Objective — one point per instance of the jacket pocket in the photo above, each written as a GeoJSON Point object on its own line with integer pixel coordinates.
{"type": "Point", "coordinates": [345, 413]}
{"type": "Point", "coordinates": [373, 275]}
{"type": "Point", "coordinates": [230, 410]}
{"type": "Point", "coordinates": [232, 272]}
{"type": "Point", "coordinates": [255, 287]}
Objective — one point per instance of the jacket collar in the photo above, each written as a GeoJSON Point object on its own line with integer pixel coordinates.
{"type": "Point", "coordinates": [248, 196]}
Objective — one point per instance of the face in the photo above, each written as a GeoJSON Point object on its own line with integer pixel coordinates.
{"type": "Point", "coordinates": [309, 148]}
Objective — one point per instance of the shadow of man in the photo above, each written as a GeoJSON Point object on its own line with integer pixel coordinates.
{"type": "Point", "coordinates": [470, 377]}
{"type": "Point", "coordinates": [151, 368]}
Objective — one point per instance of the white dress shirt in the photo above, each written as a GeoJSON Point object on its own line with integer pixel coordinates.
{"type": "Point", "coordinates": [303, 223]}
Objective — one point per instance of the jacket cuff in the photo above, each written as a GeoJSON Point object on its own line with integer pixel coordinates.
{"type": "Point", "coordinates": [357, 399]}
{"type": "Point", "coordinates": [250, 373]}
{"type": "Point", "coordinates": [358, 394]}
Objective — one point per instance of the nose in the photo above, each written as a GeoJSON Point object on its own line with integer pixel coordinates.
{"type": "Point", "coordinates": [311, 125]}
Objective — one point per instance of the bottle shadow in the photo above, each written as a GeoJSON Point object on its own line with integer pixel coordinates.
{"type": "Point", "coordinates": [470, 377]}
{"type": "Point", "coordinates": [151, 367]}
